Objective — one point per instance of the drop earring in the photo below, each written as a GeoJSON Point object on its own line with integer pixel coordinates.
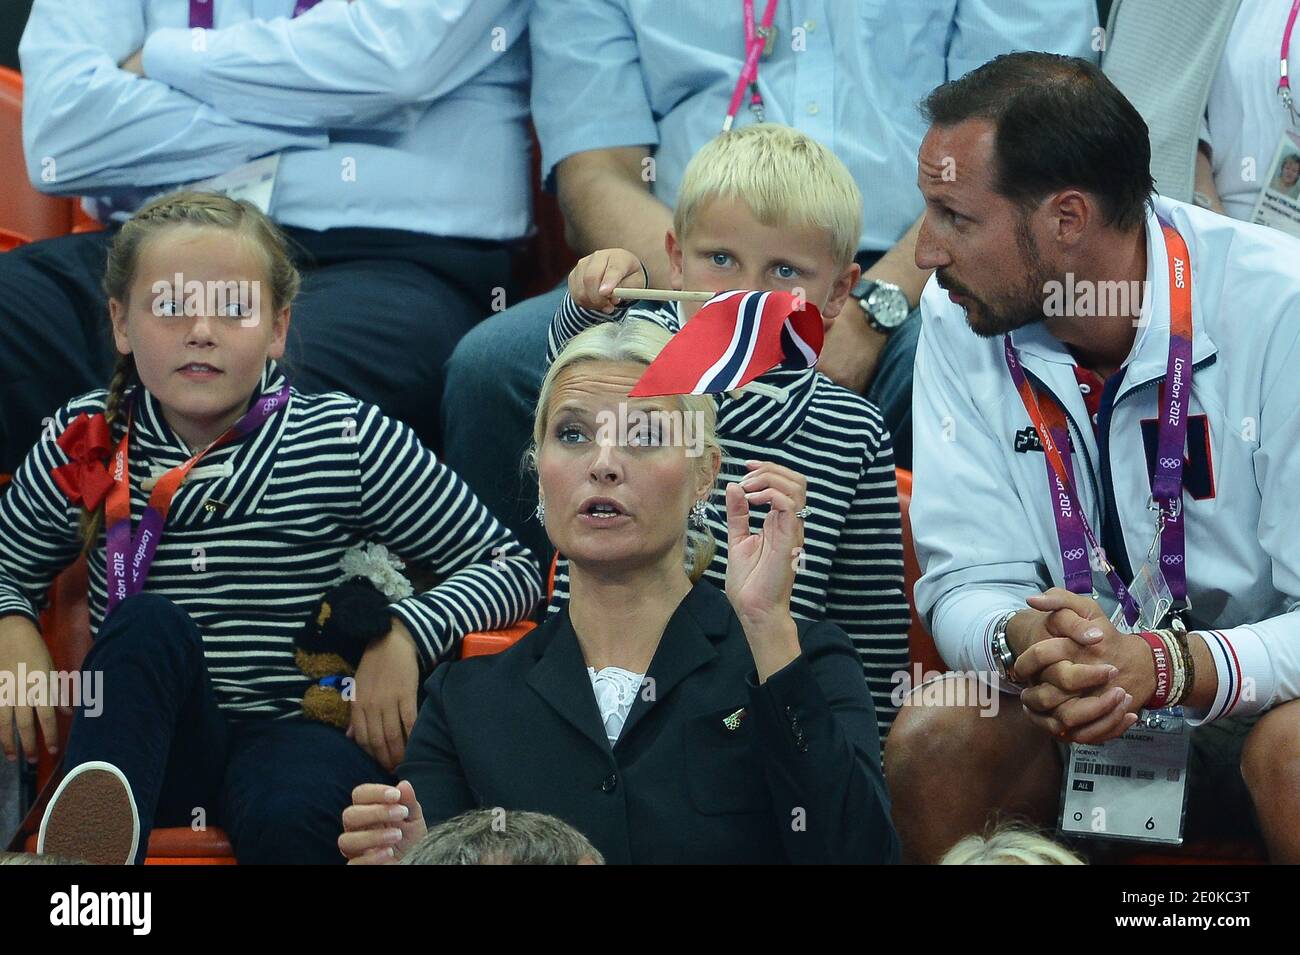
{"type": "Point", "coordinates": [541, 512]}
{"type": "Point", "coordinates": [699, 511]}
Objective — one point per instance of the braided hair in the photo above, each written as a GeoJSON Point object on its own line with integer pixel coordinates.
{"type": "Point", "coordinates": [179, 208]}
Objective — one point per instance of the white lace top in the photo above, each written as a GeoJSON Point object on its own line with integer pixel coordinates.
{"type": "Point", "coordinates": [615, 690]}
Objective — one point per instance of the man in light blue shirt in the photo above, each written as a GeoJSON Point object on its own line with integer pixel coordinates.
{"type": "Point", "coordinates": [626, 91]}
{"type": "Point", "coordinates": [402, 131]}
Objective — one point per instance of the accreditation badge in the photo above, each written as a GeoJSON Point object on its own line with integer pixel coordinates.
{"type": "Point", "coordinates": [1279, 196]}
{"type": "Point", "coordinates": [253, 181]}
{"type": "Point", "coordinates": [1131, 788]}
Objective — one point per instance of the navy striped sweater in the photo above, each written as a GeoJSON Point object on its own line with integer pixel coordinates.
{"type": "Point", "coordinates": [853, 545]}
{"type": "Point", "coordinates": [323, 474]}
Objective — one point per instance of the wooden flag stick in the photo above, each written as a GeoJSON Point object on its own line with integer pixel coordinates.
{"type": "Point", "coordinates": [661, 295]}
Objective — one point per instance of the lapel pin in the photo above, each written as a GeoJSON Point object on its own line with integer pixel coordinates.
{"type": "Point", "coordinates": [212, 505]}
{"type": "Point", "coordinates": [732, 722]}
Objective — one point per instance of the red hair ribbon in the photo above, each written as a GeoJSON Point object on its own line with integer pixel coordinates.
{"type": "Point", "coordinates": [85, 478]}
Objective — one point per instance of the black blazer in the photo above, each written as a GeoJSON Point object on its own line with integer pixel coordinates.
{"type": "Point", "coordinates": [797, 780]}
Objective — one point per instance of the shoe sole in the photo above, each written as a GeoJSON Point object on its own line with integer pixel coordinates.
{"type": "Point", "coordinates": [91, 817]}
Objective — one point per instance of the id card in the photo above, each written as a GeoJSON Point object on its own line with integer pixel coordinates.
{"type": "Point", "coordinates": [1130, 788]}
{"type": "Point", "coordinates": [254, 181]}
{"type": "Point", "coordinates": [1279, 201]}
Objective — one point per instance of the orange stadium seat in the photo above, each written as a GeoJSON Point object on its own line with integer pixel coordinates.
{"type": "Point", "coordinates": [23, 210]}
{"type": "Point", "coordinates": [11, 240]}
{"type": "Point", "coordinates": [545, 257]}
{"type": "Point", "coordinates": [921, 648]}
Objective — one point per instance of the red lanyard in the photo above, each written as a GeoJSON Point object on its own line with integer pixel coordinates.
{"type": "Point", "coordinates": [1066, 509]}
{"type": "Point", "coordinates": [755, 39]}
{"type": "Point", "coordinates": [1167, 482]}
{"type": "Point", "coordinates": [130, 556]}
{"type": "Point", "coordinates": [1284, 79]}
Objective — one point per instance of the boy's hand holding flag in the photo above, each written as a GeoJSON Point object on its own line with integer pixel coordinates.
{"type": "Point", "coordinates": [735, 337]}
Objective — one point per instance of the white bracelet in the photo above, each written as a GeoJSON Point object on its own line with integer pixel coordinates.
{"type": "Point", "coordinates": [1177, 666]}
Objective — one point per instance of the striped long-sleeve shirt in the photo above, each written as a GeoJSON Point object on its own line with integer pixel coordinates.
{"type": "Point", "coordinates": [254, 536]}
{"type": "Point", "coordinates": [853, 551]}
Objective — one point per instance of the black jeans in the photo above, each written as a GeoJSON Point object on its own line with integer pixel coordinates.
{"type": "Point", "coordinates": [378, 316]}
{"type": "Point", "coordinates": [278, 787]}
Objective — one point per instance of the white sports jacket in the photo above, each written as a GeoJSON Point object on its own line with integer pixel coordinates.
{"type": "Point", "coordinates": [981, 508]}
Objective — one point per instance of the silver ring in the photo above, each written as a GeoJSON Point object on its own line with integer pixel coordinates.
{"type": "Point", "coordinates": [802, 513]}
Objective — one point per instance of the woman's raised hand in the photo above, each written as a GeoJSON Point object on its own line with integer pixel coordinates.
{"type": "Point", "coordinates": [382, 824]}
{"type": "Point", "coordinates": [760, 575]}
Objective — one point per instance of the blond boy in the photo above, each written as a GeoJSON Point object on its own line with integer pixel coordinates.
{"type": "Point", "coordinates": [766, 207]}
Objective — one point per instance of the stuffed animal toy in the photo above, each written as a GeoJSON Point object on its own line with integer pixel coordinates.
{"type": "Point", "coordinates": [352, 614]}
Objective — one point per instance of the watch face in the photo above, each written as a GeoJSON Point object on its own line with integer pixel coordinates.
{"type": "Point", "coordinates": [888, 305]}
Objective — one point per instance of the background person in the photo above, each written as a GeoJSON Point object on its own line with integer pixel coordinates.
{"type": "Point", "coordinates": [386, 116]}
{"type": "Point", "coordinates": [1287, 181]}
{"type": "Point", "coordinates": [1204, 76]}
{"type": "Point", "coordinates": [1010, 845]}
{"type": "Point", "coordinates": [503, 837]}
{"type": "Point", "coordinates": [625, 92]}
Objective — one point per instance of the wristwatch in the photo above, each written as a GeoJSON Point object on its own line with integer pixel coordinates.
{"type": "Point", "coordinates": [884, 304]}
{"type": "Point", "coordinates": [1004, 658]}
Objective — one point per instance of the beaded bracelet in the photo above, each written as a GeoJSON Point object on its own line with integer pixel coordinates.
{"type": "Point", "coordinates": [1177, 667]}
{"type": "Point", "coordinates": [1183, 640]}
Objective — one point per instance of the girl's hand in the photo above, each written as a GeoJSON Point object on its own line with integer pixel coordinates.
{"type": "Point", "coordinates": [21, 645]}
{"type": "Point", "coordinates": [382, 824]}
{"type": "Point", "coordinates": [760, 576]}
{"type": "Point", "coordinates": [594, 278]}
{"type": "Point", "coordinates": [383, 709]}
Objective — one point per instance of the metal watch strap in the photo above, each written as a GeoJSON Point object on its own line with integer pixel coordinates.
{"type": "Point", "coordinates": [1004, 654]}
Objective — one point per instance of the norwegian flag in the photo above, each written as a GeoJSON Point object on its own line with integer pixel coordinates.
{"type": "Point", "coordinates": [735, 337]}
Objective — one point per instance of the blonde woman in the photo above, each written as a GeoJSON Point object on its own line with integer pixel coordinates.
{"type": "Point", "coordinates": [665, 721]}
{"type": "Point", "coordinates": [768, 207]}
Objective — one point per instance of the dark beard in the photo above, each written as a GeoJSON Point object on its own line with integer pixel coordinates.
{"type": "Point", "coordinates": [1023, 307]}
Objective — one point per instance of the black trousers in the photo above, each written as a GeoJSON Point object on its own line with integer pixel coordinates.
{"type": "Point", "coordinates": [378, 316]}
{"type": "Point", "coordinates": [278, 787]}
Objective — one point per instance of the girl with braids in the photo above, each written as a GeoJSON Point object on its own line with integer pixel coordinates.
{"type": "Point", "coordinates": [214, 503]}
